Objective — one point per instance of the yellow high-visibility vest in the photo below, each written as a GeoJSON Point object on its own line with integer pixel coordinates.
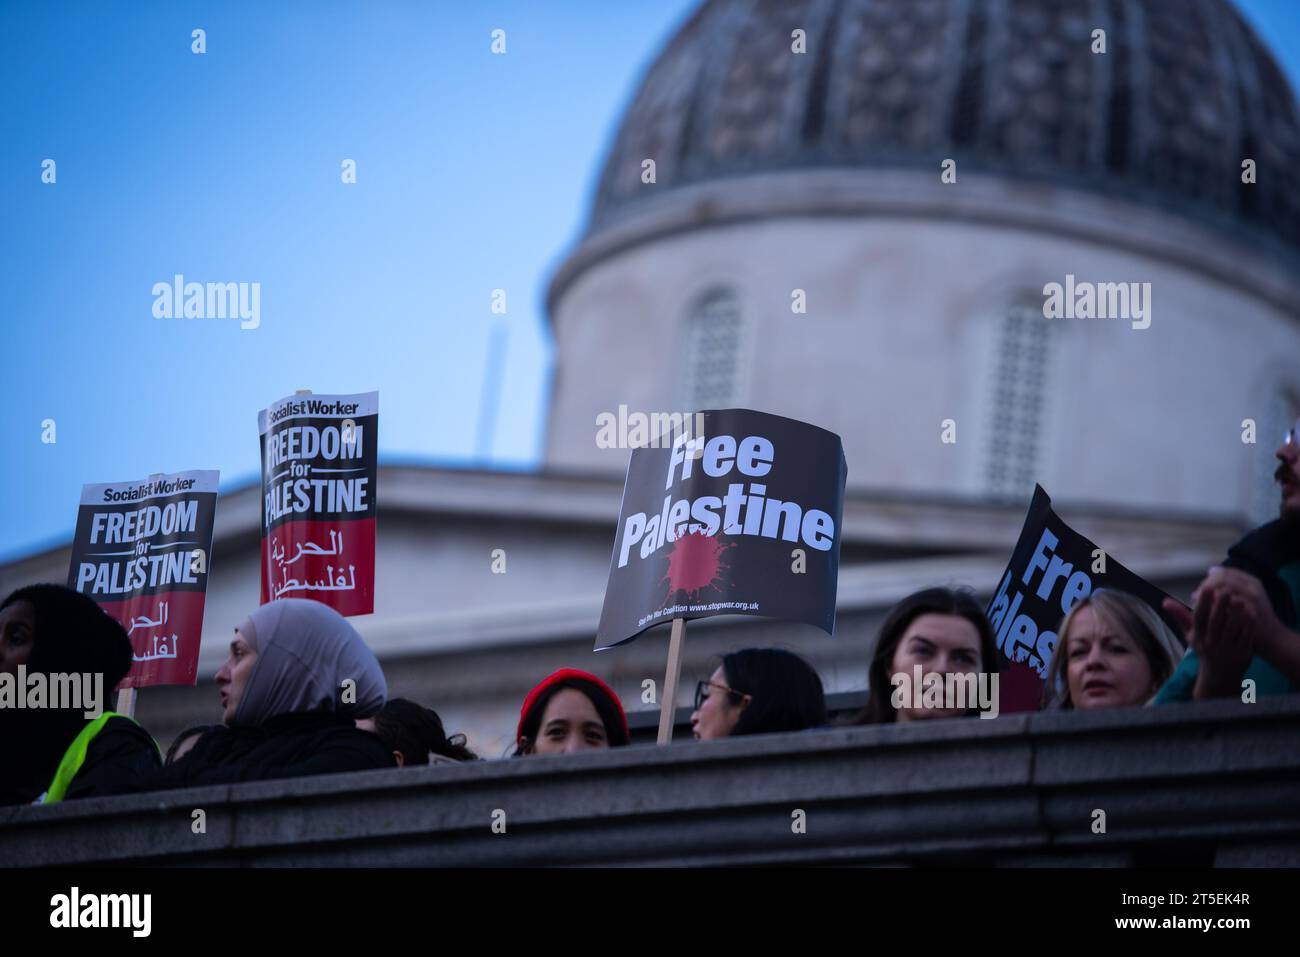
{"type": "Point", "coordinates": [75, 757]}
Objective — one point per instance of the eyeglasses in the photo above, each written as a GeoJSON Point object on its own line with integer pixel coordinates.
{"type": "Point", "coordinates": [701, 693]}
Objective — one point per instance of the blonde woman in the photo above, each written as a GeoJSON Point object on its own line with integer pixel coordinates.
{"type": "Point", "coordinates": [1112, 651]}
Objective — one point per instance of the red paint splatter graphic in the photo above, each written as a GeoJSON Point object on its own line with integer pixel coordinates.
{"type": "Point", "coordinates": [695, 563]}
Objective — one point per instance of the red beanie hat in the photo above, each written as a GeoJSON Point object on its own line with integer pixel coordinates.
{"type": "Point", "coordinates": [556, 678]}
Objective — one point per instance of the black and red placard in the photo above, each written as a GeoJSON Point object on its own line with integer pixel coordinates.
{"type": "Point", "coordinates": [142, 551]}
{"type": "Point", "coordinates": [318, 499]}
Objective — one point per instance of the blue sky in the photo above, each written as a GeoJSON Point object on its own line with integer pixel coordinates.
{"type": "Point", "coordinates": [474, 172]}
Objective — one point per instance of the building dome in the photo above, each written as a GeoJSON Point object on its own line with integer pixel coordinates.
{"type": "Point", "coordinates": [798, 252]}
{"type": "Point", "coordinates": [1165, 117]}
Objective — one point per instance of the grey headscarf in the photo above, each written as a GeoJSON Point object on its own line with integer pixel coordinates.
{"type": "Point", "coordinates": [305, 652]}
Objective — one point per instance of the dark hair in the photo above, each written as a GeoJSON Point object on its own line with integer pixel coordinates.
{"type": "Point", "coordinates": [73, 634]}
{"type": "Point", "coordinates": [928, 601]}
{"type": "Point", "coordinates": [785, 691]}
{"type": "Point", "coordinates": [607, 709]}
{"type": "Point", "coordinates": [415, 730]}
{"type": "Point", "coordinates": [197, 731]}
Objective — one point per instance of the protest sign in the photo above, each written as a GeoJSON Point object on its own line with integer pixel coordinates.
{"type": "Point", "coordinates": [1051, 568]}
{"type": "Point", "coordinates": [742, 519]}
{"type": "Point", "coordinates": [142, 550]}
{"type": "Point", "coordinates": [318, 499]}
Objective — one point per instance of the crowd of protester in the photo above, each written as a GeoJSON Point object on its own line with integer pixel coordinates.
{"type": "Point", "coordinates": [302, 694]}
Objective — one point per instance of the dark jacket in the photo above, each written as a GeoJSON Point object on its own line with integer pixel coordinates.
{"type": "Point", "coordinates": [285, 746]}
{"type": "Point", "coordinates": [1272, 554]}
{"type": "Point", "coordinates": [32, 744]}
{"type": "Point", "coordinates": [122, 753]}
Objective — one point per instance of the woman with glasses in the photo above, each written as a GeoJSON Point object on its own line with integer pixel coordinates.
{"type": "Point", "coordinates": [758, 691]}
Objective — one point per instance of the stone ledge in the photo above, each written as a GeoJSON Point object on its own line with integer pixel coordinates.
{"type": "Point", "coordinates": [1210, 782]}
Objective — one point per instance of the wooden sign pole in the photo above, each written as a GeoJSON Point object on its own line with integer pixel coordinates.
{"type": "Point", "coordinates": [126, 696]}
{"type": "Point", "coordinates": [668, 703]}
{"type": "Point", "coordinates": [126, 702]}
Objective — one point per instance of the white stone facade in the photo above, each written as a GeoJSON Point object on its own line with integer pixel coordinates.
{"type": "Point", "coordinates": [907, 283]}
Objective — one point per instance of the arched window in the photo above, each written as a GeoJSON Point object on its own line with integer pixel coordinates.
{"type": "Point", "coordinates": [1021, 365]}
{"type": "Point", "coordinates": [713, 352]}
{"type": "Point", "coordinates": [1279, 415]}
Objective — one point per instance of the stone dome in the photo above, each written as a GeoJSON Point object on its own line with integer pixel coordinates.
{"type": "Point", "coordinates": [1184, 93]}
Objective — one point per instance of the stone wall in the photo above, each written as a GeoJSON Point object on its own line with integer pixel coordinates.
{"type": "Point", "coordinates": [1195, 784]}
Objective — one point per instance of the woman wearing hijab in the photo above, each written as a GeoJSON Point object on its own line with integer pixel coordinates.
{"type": "Point", "coordinates": [297, 678]}
{"type": "Point", "coordinates": [50, 754]}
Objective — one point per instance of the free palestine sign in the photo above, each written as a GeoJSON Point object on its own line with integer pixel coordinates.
{"type": "Point", "coordinates": [1051, 568]}
{"type": "Point", "coordinates": [743, 519]}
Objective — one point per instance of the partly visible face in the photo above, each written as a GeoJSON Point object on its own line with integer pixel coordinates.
{"type": "Point", "coordinates": [233, 676]}
{"type": "Point", "coordinates": [717, 716]}
{"type": "Point", "coordinates": [940, 644]}
{"type": "Point", "coordinates": [1288, 473]}
{"type": "Point", "coordinates": [570, 723]}
{"type": "Point", "coordinates": [17, 634]}
{"type": "Point", "coordinates": [1105, 668]}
